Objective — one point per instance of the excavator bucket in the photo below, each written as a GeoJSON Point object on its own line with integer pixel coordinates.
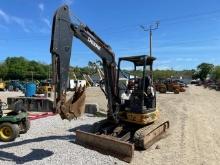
{"type": "Point", "coordinates": [106, 145]}
{"type": "Point", "coordinates": [75, 106]}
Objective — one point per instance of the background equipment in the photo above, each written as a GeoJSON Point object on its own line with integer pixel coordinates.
{"type": "Point", "coordinates": [13, 123]}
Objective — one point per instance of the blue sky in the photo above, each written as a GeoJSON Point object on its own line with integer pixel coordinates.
{"type": "Point", "coordinates": [188, 34]}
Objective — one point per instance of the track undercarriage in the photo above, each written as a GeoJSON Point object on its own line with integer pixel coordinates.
{"type": "Point", "coordinates": [120, 140]}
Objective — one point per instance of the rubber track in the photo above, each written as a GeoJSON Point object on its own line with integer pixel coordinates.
{"type": "Point", "coordinates": [147, 130]}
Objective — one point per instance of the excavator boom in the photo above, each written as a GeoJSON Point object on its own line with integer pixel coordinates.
{"type": "Point", "coordinates": [63, 32]}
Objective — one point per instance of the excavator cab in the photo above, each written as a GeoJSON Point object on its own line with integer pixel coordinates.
{"type": "Point", "coordinates": [136, 90]}
{"type": "Point", "coordinates": [137, 93]}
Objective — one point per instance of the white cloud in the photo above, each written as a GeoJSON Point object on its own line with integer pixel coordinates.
{"type": "Point", "coordinates": [68, 2]}
{"type": "Point", "coordinates": [41, 6]}
{"type": "Point", "coordinates": [44, 30]}
{"type": "Point", "coordinates": [4, 16]}
{"type": "Point", "coordinates": [9, 19]}
{"type": "Point", "coordinates": [164, 61]}
{"type": "Point", "coordinates": [47, 22]}
{"type": "Point", "coordinates": [44, 19]}
{"type": "Point", "coordinates": [20, 22]}
{"type": "Point", "coordinates": [186, 59]}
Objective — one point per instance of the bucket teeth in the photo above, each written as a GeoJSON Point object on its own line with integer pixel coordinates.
{"type": "Point", "coordinates": [75, 106]}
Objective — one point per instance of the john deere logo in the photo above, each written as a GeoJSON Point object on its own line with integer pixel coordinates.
{"type": "Point", "coordinates": [94, 44]}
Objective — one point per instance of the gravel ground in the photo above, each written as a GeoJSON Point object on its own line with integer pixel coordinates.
{"type": "Point", "coordinates": [52, 141]}
{"type": "Point", "coordinates": [192, 139]}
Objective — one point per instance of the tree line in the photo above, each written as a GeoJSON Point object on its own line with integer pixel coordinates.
{"type": "Point", "coordinates": [14, 68]}
{"type": "Point", "coordinates": [20, 68]}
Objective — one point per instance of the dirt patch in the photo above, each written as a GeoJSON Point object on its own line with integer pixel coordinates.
{"type": "Point", "coordinates": [194, 133]}
{"type": "Point", "coordinates": [95, 95]}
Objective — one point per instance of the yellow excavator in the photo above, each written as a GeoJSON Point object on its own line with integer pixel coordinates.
{"type": "Point", "coordinates": [132, 116]}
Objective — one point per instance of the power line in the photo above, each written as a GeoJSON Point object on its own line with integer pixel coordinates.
{"type": "Point", "coordinates": [164, 20]}
{"type": "Point", "coordinates": [190, 15]}
{"type": "Point", "coordinates": [189, 42]}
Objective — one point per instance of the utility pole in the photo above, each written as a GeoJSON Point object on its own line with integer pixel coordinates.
{"type": "Point", "coordinates": [32, 76]}
{"type": "Point", "coordinates": [49, 72]}
{"type": "Point", "coordinates": [150, 29]}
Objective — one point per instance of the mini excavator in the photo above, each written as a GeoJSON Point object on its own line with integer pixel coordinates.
{"type": "Point", "coordinates": [132, 116]}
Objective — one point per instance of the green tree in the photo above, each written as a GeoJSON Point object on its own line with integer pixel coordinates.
{"type": "Point", "coordinates": [203, 70]}
{"type": "Point", "coordinates": [3, 70]}
{"type": "Point", "coordinates": [20, 68]}
{"type": "Point", "coordinates": [157, 74]}
{"type": "Point", "coordinates": [39, 70]}
{"type": "Point", "coordinates": [17, 67]}
{"type": "Point", "coordinates": [216, 73]}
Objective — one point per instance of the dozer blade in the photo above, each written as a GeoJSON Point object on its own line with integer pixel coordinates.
{"type": "Point", "coordinates": [106, 144]}
{"type": "Point", "coordinates": [148, 135]}
{"type": "Point", "coordinates": [75, 106]}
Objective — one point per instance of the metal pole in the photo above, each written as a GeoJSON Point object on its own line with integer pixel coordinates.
{"type": "Point", "coordinates": [32, 75]}
{"type": "Point", "coordinates": [150, 42]}
{"type": "Point", "coordinates": [151, 68]}
{"type": "Point", "coordinates": [151, 27]}
{"type": "Point", "coordinates": [49, 73]}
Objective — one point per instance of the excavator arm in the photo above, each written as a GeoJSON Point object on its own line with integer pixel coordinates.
{"type": "Point", "coordinates": [63, 32]}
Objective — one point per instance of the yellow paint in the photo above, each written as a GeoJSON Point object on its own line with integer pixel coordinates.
{"type": "Point", "coordinates": [139, 118]}
{"type": "Point", "coordinates": [2, 85]}
{"type": "Point", "coordinates": [6, 133]}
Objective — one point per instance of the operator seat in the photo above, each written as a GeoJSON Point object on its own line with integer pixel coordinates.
{"type": "Point", "coordinates": [150, 98]}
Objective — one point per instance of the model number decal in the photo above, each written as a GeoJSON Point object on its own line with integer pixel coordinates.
{"type": "Point", "coordinates": [94, 44]}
